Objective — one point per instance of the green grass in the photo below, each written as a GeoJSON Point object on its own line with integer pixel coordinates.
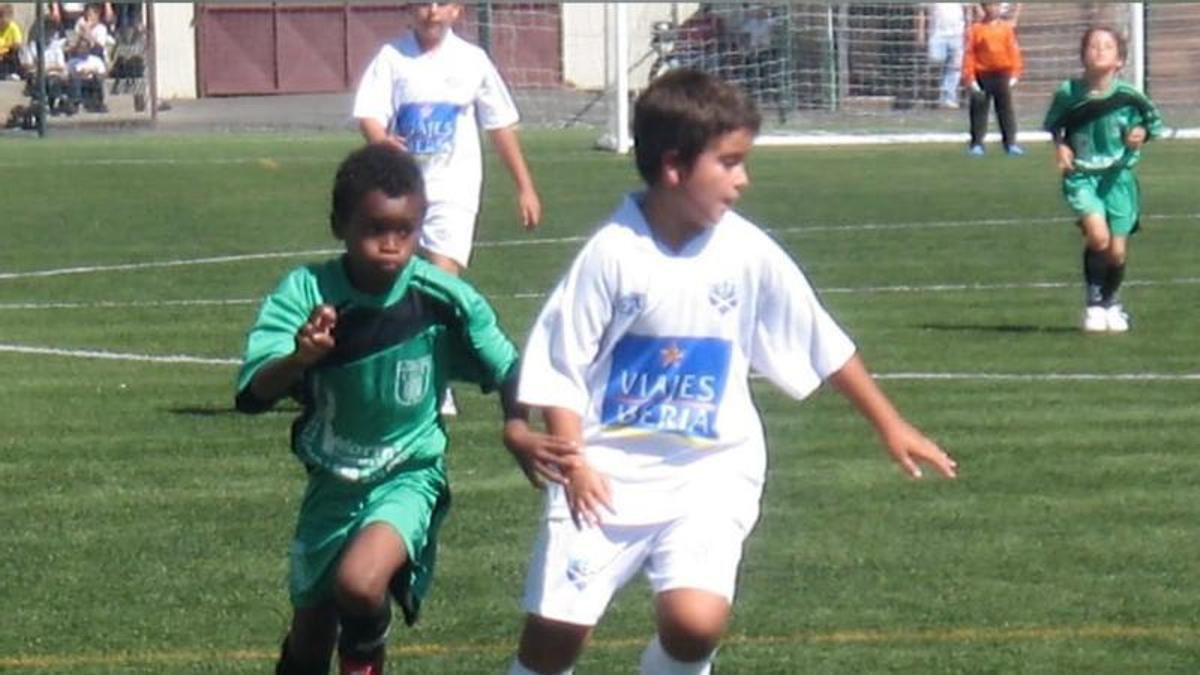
{"type": "Point", "coordinates": [146, 524]}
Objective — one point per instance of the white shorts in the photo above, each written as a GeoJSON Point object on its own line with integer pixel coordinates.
{"type": "Point", "coordinates": [575, 572]}
{"type": "Point", "coordinates": [449, 230]}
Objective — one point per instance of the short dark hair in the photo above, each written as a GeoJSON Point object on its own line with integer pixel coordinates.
{"type": "Point", "coordinates": [682, 111]}
{"type": "Point", "coordinates": [1122, 45]}
{"type": "Point", "coordinates": [373, 167]}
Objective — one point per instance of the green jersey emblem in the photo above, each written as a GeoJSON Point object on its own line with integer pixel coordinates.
{"type": "Point", "coordinates": [412, 380]}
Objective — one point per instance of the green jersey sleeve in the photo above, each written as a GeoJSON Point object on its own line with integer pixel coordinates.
{"type": "Point", "coordinates": [283, 312]}
{"type": "Point", "coordinates": [483, 353]}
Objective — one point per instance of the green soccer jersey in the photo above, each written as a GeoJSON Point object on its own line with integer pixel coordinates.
{"type": "Point", "coordinates": [371, 405]}
{"type": "Point", "coordinates": [1094, 125]}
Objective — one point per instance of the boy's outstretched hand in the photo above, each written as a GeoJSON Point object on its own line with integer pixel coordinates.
{"type": "Point", "coordinates": [910, 448]}
{"type": "Point", "coordinates": [542, 457]}
{"type": "Point", "coordinates": [315, 338]}
{"type": "Point", "coordinates": [587, 492]}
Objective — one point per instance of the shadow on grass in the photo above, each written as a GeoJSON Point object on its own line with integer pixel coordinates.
{"type": "Point", "coordinates": [998, 328]}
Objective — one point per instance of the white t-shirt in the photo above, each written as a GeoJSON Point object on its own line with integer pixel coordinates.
{"type": "Point", "coordinates": [432, 99]}
{"type": "Point", "coordinates": [654, 350]}
{"type": "Point", "coordinates": [947, 20]}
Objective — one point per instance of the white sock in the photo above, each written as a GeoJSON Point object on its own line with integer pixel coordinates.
{"type": "Point", "coordinates": [656, 661]}
{"type": "Point", "coordinates": [519, 668]}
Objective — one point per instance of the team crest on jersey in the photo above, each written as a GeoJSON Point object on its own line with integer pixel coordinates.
{"type": "Point", "coordinates": [671, 385]}
{"type": "Point", "coordinates": [630, 305]}
{"type": "Point", "coordinates": [413, 380]}
{"type": "Point", "coordinates": [723, 296]}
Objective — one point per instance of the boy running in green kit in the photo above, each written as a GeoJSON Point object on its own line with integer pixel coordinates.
{"type": "Point", "coordinates": [1099, 124]}
{"type": "Point", "coordinates": [367, 342]}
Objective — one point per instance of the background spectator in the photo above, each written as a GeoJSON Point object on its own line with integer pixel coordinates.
{"type": "Point", "coordinates": [941, 28]}
{"type": "Point", "coordinates": [11, 40]}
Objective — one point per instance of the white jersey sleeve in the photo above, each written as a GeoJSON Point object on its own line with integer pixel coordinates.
{"type": "Point", "coordinates": [494, 106]}
{"type": "Point", "coordinates": [796, 343]}
{"type": "Point", "coordinates": [373, 99]}
{"type": "Point", "coordinates": [565, 340]}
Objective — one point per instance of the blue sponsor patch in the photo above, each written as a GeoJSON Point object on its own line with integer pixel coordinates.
{"type": "Point", "coordinates": [668, 385]}
{"type": "Point", "coordinates": [428, 128]}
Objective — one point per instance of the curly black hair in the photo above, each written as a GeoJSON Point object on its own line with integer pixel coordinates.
{"type": "Point", "coordinates": [373, 167]}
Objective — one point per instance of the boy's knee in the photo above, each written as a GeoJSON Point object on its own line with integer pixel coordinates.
{"type": "Point", "coordinates": [361, 594]}
{"type": "Point", "coordinates": [549, 646]}
{"type": "Point", "coordinates": [692, 636]}
{"type": "Point", "coordinates": [691, 643]}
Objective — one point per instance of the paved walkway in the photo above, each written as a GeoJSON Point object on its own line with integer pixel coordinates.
{"type": "Point", "coordinates": [301, 112]}
{"type": "Point", "coordinates": [309, 112]}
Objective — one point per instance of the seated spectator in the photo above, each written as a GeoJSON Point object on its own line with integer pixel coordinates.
{"type": "Point", "coordinates": [87, 60]}
{"type": "Point", "coordinates": [55, 57]}
{"type": "Point", "coordinates": [10, 44]}
{"type": "Point", "coordinates": [66, 14]}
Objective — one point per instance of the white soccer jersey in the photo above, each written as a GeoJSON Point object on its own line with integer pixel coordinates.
{"type": "Point", "coordinates": [432, 99]}
{"type": "Point", "coordinates": [654, 350]}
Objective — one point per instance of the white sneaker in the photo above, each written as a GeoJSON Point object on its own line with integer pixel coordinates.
{"type": "Point", "coordinates": [1118, 320]}
{"type": "Point", "coordinates": [449, 409]}
{"type": "Point", "coordinates": [1095, 319]}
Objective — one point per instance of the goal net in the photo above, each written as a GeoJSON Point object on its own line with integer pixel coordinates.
{"type": "Point", "coordinates": [821, 72]}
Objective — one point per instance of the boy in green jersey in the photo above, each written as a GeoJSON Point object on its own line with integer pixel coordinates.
{"type": "Point", "coordinates": [1099, 124]}
{"type": "Point", "coordinates": [367, 342]}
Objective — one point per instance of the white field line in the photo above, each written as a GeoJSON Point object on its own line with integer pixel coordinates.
{"type": "Point", "coordinates": [543, 241]}
{"type": "Point", "coordinates": [861, 290]}
{"type": "Point", "coordinates": [94, 354]}
{"type": "Point", "coordinates": [63, 271]}
{"type": "Point", "coordinates": [114, 304]}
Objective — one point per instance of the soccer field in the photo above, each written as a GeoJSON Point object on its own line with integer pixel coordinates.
{"type": "Point", "coordinates": [145, 523]}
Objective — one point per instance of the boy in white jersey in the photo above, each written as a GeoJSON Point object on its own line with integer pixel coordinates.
{"type": "Point", "coordinates": [642, 355]}
{"type": "Point", "coordinates": [422, 93]}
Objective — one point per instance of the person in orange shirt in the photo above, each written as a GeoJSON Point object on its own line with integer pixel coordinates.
{"type": "Point", "coordinates": [991, 67]}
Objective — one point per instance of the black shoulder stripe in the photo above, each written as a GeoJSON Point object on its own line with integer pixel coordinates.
{"type": "Point", "coordinates": [1093, 110]}
{"type": "Point", "coordinates": [362, 331]}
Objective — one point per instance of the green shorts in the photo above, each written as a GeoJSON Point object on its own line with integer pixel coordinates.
{"type": "Point", "coordinates": [414, 501]}
{"type": "Point", "coordinates": [1114, 195]}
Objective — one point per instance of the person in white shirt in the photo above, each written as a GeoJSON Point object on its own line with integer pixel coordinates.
{"type": "Point", "coordinates": [942, 27]}
{"type": "Point", "coordinates": [642, 356]}
{"type": "Point", "coordinates": [428, 92]}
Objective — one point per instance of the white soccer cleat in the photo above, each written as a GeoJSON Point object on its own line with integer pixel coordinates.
{"type": "Point", "coordinates": [1118, 320]}
{"type": "Point", "coordinates": [1095, 319]}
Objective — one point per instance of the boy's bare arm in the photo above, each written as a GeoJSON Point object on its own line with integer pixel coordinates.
{"type": "Point", "coordinates": [374, 131]}
{"type": "Point", "coordinates": [587, 490]}
{"type": "Point", "coordinates": [907, 445]}
{"type": "Point", "coordinates": [313, 341]}
{"type": "Point", "coordinates": [509, 148]}
{"type": "Point", "coordinates": [541, 456]}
